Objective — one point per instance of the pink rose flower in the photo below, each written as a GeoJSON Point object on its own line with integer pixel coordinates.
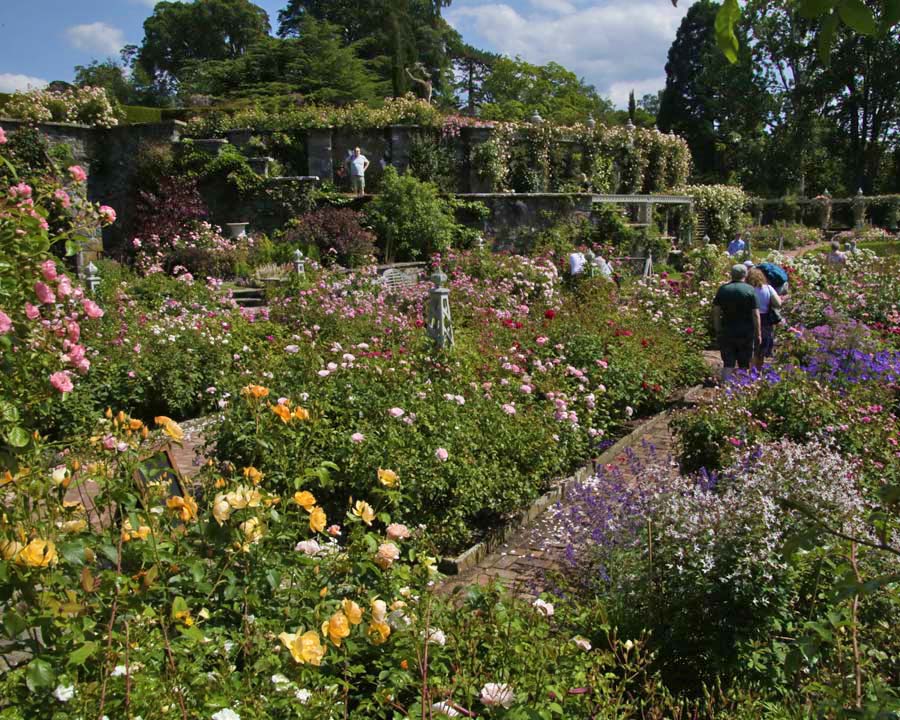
{"type": "Point", "coordinates": [31, 312]}
{"type": "Point", "coordinates": [48, 270]}
{"type": "Point", "coordinates": [396, 412]}
{"type": "Point", "coordinates": [5, 323]}
{"type": "Point", "coordinates": [3, 139]}
{"type": "Point", "coordinates": [21, 191]}
{"type": "Point", "coordinates": [334, 530]}
{"type": "Point", "coordinates": [396, 531]}
{"type": "Point", "coordinates": [357, 437]}
{"type": "Point", "coordinates": [44, 293]}
{"type": "Point", "coordinates": [107, 214]}
{"type": "Point", "coordinates": [63, 198]}
{"type": "Point", "coordinates": [92, 309]}
{"type": "Point", "coordinates": [78, 174]}
{"type": "Point", "coordinates": [64, 286]}
{"type": "Point", "coordinates": [441, 454]}
{"type": "Point", "coordinates": [62, 382]}
{"type": "Point", "coordinates": [73, 331]}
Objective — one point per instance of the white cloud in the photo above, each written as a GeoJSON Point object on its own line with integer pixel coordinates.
{"type": "Point", "coordinates": [618, 91]}
{"type": "Point", "coordinates": [10, 82]}
{"type": "Point", "coordinates": [615, 45]}
{"type": "Point", "coordinates": [96, 37]}
{"type": "Point", "coordinates": [557, 6]}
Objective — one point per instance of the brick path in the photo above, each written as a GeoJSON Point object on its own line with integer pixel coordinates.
{"type": "Point", "coordinates": [523, 561]}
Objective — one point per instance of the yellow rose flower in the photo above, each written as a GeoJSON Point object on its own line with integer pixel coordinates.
{"type": "Point", "coordinates": [305, 499]}
{"type": "Point", "coordinates": [253, 475]}
{"type": "Point", "coordinates": [184, 507]}
{"type": "Point", "coordinates": [184, 616]}
{"type": "Point", "coordinates": [352, 611]}
{"type": "Point", "coordinates": [304, 648]}
{"type": "Point", "coordinates": [252, 530]}
{"type": "Point", "coordinates": [255, 391]}
{"type": "Point", "coordinates": [10, 548]}
{"type": "Point", "coordinates": [282, 411]}
{"type": "Point", "coordinates": [300, 413]}
{"type": "Point", "coordinates": [221, 510]}
{"type": "Point", "coordinates": [38, 553]}
{"type": "Point", "coordinates": [170, 427]}
{"type": "Point", "coordinates": [388, 478]}
{"type": "Point", "coordinates": [135, 424]}
{"type": "Point", "coordinates": [142, 533]}
{"type": "Point", "coordinates": [364, 511]}
{"type": "Point", "coordinates": [378, 632]}
{"type": "Point", "coordinates": [379, 610]}
{"type": "Point", "coordinates": [244, 497]}
{"type": "Point", "coordinates": [336, 628]}
{"type": "Point", "coordinates": [317, 519]}
{"type": "Point", "coordinates": [73, 526]}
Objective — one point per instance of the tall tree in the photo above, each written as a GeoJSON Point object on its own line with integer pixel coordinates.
{"type": "Point", "coordinates": [317, 64]}
{"type": "Point", "coordinates": [515, 89]}
{"type": "Point", "coordinates": [849, 99]}
{"type": "Point", "coordinates": [393, 34]}
{"type": "Point", "coordinates": [632, 106]}
{"type": "Point", "coordinates": [719, 108]}
{"type": "Point", "coordinates": [471, 67]}
{"type": "Point", "coordinates": [178, 33]}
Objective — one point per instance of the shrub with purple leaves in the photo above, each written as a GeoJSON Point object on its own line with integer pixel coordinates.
{"type": "Point", "coordinates": [337, 235]}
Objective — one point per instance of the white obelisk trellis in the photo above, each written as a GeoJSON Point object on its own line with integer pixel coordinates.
{"type": "Point", "coordinates": [439, 325]}
{"type": "Point", "coordinates": [299, 263]}
{"type": "Point", "coordinates": [93, 278]}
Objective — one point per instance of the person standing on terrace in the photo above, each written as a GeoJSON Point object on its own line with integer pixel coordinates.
{"type": "Point", "coordinates": [359, 163]}
{"type": "Point", "coordinates": [737, 322]}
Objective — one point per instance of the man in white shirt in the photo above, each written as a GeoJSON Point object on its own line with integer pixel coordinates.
{"type": "Point", "coordinates": [359, 163]}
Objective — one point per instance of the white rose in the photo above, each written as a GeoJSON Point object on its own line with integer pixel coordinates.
{"type": "Point", "coordinates": [497, 694]}
{"type": "Point", "coordinates": [226, 714]}
{"type": "Point", "coordinates": [544, 607]}
{"type": "Point", "coordinates": [64, 693]}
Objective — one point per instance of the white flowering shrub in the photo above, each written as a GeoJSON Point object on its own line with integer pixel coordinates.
{"type": "Point", "coordinates": [84, 105]}
{"type": "Point", "coordinates": [721, 204]}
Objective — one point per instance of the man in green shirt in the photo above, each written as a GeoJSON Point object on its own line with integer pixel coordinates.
{"type": "Point", "coordinates": [737, 322]}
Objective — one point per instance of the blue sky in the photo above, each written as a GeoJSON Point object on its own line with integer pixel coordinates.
{"type": "Point", "coordinates": [614, 44]}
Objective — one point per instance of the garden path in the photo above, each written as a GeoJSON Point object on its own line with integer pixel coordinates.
{"type": "Point", "coordinates": [522, 563]}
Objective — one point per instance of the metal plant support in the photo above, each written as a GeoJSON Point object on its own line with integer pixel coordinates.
{"type": "Point", "coordinates": [93, 278]}
{"type": "Point", "coordinates": [299, 263]}
{"type": "Point", "coordinates": [439, 325]}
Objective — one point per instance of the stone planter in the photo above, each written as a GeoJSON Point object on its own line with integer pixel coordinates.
{"type": "Point", "coordinates": [236, 230]}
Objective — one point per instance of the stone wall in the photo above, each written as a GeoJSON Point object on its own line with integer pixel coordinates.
{"type": "Point", "coordinates": [515, 219]}
{"type": "Point", "coordinates": [109, 155]}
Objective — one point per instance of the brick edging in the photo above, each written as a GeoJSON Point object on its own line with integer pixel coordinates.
{"type": "Point", "coordinates": [470, 557]}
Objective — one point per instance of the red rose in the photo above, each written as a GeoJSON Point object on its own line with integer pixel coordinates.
{"type": "Point", "coordinates": [550, 314]}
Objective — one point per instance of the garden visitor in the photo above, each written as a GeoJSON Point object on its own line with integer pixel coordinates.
{"type": "Point", "coordinates": [736, 321]}
{"type": "Point", "coordinates": [767, 299]}
{"type": "Point", "coordinates": [836, 258]}
{"type": "Point", "coordinates": [737, 246]}
{"type": "Point", "coordinates": [576, 263]}
{"type": "Point", "coordinates": [777, 277]}
{"type": "Point", "coordinates": [603, 267]}
{"type": "Point", "coordinates": [359, 163]}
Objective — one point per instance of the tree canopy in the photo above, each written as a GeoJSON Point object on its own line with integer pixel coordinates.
{"type": "Point", "coordinates": [178, 33]}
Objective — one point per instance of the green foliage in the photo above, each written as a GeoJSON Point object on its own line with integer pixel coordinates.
{"type": "Point", "coordinates": [410, 218]}
{"type": "Point", "coordinates": [515, 89]}
{"type": "Point", "coordinates": [434, 161]}
{"type": "Point", "coordinates": [229, 168]}
{"type": "Point", "coordinates": [135, 114]}
{"type": "Point", "coordinates": [178, 33]}
{"type": "Point", "coordinates": [317, 65]}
